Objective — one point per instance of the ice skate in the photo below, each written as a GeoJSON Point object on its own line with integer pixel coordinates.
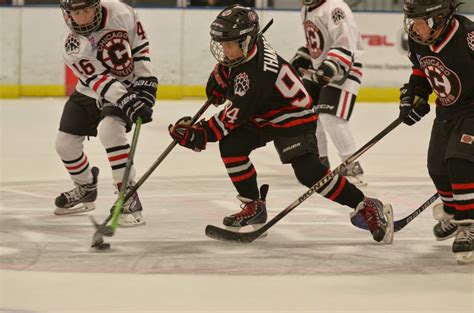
{"type": "Point", "coordinates": [463, 243]}
{"type": "Point", "coordinates": [375, 216]}
{"type": "Point", "coordinates": [80, 199]}
{"type": "Point", "coordinates": [355, 174]}
{"type": "Point", "coordinates": [131, 215]}
{"type": "Point", "coordinates": [444, 229]}
{"type": "Point", "coordinates": [253, 213]}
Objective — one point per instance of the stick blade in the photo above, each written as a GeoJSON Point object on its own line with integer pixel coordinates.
{"type": "Point", "coordinates": [222, 234]}
{"type": "Point", "coordinates": [102, 229]}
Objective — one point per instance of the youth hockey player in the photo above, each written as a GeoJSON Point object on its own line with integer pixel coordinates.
{"type": "Point", "coordinates": [332, 71]}
{"type": "Point", "coordinates": [441, 48]}
{"type": "Point", "coordinates": [108, 50]}
{"type": "Point", "coordinates": [268, 102]}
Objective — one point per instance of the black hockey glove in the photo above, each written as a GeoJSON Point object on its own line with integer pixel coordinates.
{"type": "Point", "coordinates": [193, 137]}
{"type": "Point", "coordinates": [302, 60]}
{"type": "Point", "coordinates": [133, 107]}
{"type": "Point", "coordinates": [217, 85]}
{"type": "Point", "coordinates": [413, 104]}
{"type": "Point", "coordinates": [145, 88]}
{"type": "Point", "coordinates": [325, 73]}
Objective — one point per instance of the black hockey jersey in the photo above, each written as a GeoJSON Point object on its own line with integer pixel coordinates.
{"type": "Point", "coordinates": [264, 91]}
{"type": "Point", "coordinates": [447, 68]}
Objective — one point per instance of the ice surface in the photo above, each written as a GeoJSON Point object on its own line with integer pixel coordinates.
{"type": "Point", "coordinates": [313, 260]}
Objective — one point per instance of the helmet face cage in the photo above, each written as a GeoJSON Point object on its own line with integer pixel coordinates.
{"type": "Point", "coordinates": [437, 14]}
{"type": "Point", "coordinates": [311, 3]}
{"type": "Point", "coordinates": [235, 23]}
{"type": "Point", "coordinates": [217, 51]}
{"type": "Point", "coordinates": [70, 6]}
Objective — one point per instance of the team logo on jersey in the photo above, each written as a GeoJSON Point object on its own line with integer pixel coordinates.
{"type": "Point", "coordinates": [314, 39]}
{"type": "Point", "coordinates": [470, 40]}
{"type": "Point", "coordinates": [114, 51]}
{"type": "Point", "coordinates": [241, 84]}
{"type": "Point", "coordinates": [252, 16]}
{"type": "Point", "coordinates": [72, 44]}
{"type": "Point", "coordinates": [445, 82]}
{"type": "Point", "coordinates": [338, 15]}
{"type": "Point", "coordinates": [467, 139]}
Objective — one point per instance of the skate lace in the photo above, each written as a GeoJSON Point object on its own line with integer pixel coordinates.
{"type": "Point", "coordinates": [248, 210]}
{"type": "Point", "coordinates": [447, 225]}
{"type": "Point", "coordinates": [371, 216]}
{"type": "Point", "coordinates": [466, 233]}
{"type": "Point", "coordinates": [76, 193]}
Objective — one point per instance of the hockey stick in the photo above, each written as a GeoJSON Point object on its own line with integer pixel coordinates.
{"type": "Point", "coordinates": [104, 230]}
{"type": "Point", "coordinates": [228, 235]}
{"type": "Point", "coordinates": [264, 29]}
{"type": "Point", "coordinates": [400, 224]}
{"type": "Point", "coordinates": [97, 240]}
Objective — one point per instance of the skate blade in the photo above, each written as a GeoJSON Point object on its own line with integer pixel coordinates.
{"type": "Point", "coordinates": [82, 208]}
{"type": "Point", "coordinates": [464, 258]}
{"type": "Point", "coordinates": [125, 222]}
{"type": "Point", "coordinates": [248, 228]}
{"type": "Point", "coordinates": [447, 237]}
{"type": "Point", "coordinates": [388, 212]}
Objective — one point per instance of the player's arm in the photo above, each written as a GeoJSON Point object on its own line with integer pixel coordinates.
{"type": "Point", "coordinates": [91, 73]}
{"type": "Point", "coordinates": [344, 33]}
{"type": "Point", "coordinates": [418, 78]}
{"type": "Point", "coordinates": [237, 111]}
{"type": "Point", "coordinates": [470, 38]}
{"type": "Point", "coordinates": [301, 61]}
{"type": "Point", "coordinates": [145, 84]}
{"type": "Point", "coordinates": [414, 94]}
{"type": "Point", "coordinates": [218, 84]}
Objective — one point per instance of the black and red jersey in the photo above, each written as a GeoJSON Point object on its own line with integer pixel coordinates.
{"type": "Point", "coordinates": [447, 68]}
{"type": "Point", "coordinates": [265, 91]}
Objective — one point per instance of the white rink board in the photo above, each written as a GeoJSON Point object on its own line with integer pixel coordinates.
{"type": "Point", "coordinates": [180, 44]}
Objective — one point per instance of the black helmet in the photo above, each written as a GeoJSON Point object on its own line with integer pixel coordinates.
{"type": "Point", "coordinates": [311, 3]}
{"type": "Point", "coordinates": [69, 6]}
{"type": "Point", "coordinates": [437, 14]}
{"type": "Point", "coordinates": [234, 23]}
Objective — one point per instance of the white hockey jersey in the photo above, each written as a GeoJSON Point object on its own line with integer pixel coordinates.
{"type": "Point", "coordinates": [331, 33]}
{"type": "Point", "coordinates": [109, 60]}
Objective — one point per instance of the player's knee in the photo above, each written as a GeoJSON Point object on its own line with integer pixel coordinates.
{"type": "Point", "coordinates": [308, 170]}
{"type": "Point", "coordinates": [225, 147]}
{"type": "Point", "coordinates": [460, 169]}
{"type": "Point", "coordinates": [112, 131]}
{"type": "Point", "coordinates": [67, 145]}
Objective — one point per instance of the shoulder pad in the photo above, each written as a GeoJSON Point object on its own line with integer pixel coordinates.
{"type": "Point", "coordinates": [470, 36]}
{"type": "Point", "coordinates": [71, 44]}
